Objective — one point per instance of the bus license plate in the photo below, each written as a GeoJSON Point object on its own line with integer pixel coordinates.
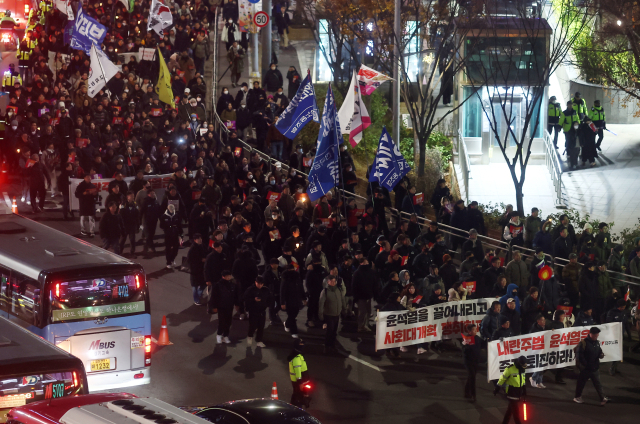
{"type": "Point", "coordinates": [101, 364]}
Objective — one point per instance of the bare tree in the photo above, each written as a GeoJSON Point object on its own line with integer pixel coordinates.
{"type": "Point", "coordinates": [431, 41]}
{"type": "Point", "coordinates": [517, 50]}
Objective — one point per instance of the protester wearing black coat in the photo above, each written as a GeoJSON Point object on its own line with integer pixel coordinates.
{"type": "Point", "coordinates": [244, 271]}
{"type": "Point", "coordinates": [291, 298]}
{"type": "Point", "coordinates": [171, 223]}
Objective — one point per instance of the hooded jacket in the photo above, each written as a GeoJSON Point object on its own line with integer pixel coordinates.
{"type": "Point", "coordinates": [170, 223]}
{"type": "Point", "coordinates": [489, 324]}
{"type": "Point", "coordinates": [510, 289]}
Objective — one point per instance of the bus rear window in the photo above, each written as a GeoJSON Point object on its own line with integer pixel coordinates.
{"type": "Point", "coordinates": [17, 391]}
{"type": "Point", "coordinates": [98, 297]}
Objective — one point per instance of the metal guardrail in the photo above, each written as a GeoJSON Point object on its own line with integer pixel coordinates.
{"type": "Point", "coordinates": [555, 169]}
{"type": "Point", "coordinates": [465, 164]}
{"type": "Point", "coordinates": [423, 222]}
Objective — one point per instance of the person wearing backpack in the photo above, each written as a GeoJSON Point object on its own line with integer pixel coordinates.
{"type": "Point", "coordinates": [588, 355]}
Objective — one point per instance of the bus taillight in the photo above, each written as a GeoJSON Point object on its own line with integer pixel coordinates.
{"type": "Point", "coordinates": [137, 282]}
{"type": "Point", "coordinates": [147, 351]}
{"type": "Point", "coordinates": [58, 290]}
{"type": "Point", "coordinates": [75, 379]}
{"type": "Point", "coordinates": [26, 10]}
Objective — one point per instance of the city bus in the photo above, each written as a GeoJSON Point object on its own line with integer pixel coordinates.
{"type": "Point", "coordinates": [90, 302]}
{"type": "Point", "coordinates": [32, 369]}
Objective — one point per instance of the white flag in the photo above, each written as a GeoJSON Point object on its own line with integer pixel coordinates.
{"type": "Point", "coordinates": [159, 17]}
{"type": "Point", "coordinates": [354, 113]}
{"type": "Point", "coordinates": [65, 7]}
{"type": "Point", "coordinates": [101, 71]}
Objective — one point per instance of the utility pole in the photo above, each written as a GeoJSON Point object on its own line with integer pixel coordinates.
{"type": "Point", "coordinates": [266, 36]}
{"type": "Point", "coordinates": [255, 58]}
{"type": "Point", "coordinates": [397, 57]}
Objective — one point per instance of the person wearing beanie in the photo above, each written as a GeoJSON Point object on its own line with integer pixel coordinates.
{"type": "Point", "coordinates": [616, 260]}
{"type": "Point", "coordinates": [515, 382]}
{"type": "Point", "coordinates": [490, 322]}
{"type": "Point", "coordinates": [603, 243]}
{"type": "Point", "coordinates": [504, 330]}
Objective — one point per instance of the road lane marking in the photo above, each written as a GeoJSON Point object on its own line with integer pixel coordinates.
{"type": "Point", "coordinates": [363, 362]}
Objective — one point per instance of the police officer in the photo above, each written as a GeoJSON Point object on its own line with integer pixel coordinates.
{"type": "Point", "coordinates": [553, 113]}
{"type": "Point", "coordinates": [570, 122]}
{"type": "Point", "coordinates": [598, 118]}
{"type": "Point", "coordinates": [579, 105]}
{"type": "Point", "coordinates": [516, 388]}
{"type": "Point", "coordinates": [297, 372]}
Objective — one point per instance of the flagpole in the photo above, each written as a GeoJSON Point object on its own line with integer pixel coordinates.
{"type": "Point", "coordinates": [341, 191]}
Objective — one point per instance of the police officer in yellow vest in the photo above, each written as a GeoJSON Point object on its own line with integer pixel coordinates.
{"type": "Point", "coordinates": [297, 372]}
{"type": "Point", "coordinates": [553, 116]}
{"type": "Point", "coordinates": [570, 122]}
{"type": "Point", "coordinates": [579, 105]}
{"type": "Point", "coordinates": [25, 50]}
{"type": "Point", "coordinates": [9, 79]}
{"type": "Point", "coordinates": [516, 388]}
{"type": "Point", "coordinates": [598, 118]}
{"type": "Point", "coordinates": [45, 8]}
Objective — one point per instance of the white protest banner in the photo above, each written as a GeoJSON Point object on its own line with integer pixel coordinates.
{"type": "Point", "coordinates": [551, 349]}
{"type": "Point", "coordinates": [428, 324]}
{"type": "Point", "coordinates": [146, 54]}
{"type": "Point", "coordinates": [100, 72]}
{"type": "Point", "coordinates": [158, 182]}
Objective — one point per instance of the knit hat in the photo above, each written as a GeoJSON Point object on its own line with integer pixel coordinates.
{"type": "Point", "coordinates": [393, 252]}
{"type": "Point", "coordinates": [446, 257]}
{"type": "Point", "coordinates": [587, 226]}
{"type": "Point", "coordinates": [602, 225]}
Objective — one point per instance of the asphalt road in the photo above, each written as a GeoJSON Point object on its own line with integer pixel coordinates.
{"type": "Point", "coordinates": [365, 387]}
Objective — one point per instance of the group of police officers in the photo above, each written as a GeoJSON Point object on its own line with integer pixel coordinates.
{"type": "Point", "coordinates": [580, 125]}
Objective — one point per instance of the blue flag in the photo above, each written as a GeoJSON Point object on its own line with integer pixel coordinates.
{"type": "Point", "coordinates": [389, 166]}
{"type": "Point", "coordinates": [300, 111]}
{"type": "Point", "coordinates": [87, 31]}
{"type": "Point", "coordinates": [68, 32]}
{"type": "Point", "coordinates": [324, 171]}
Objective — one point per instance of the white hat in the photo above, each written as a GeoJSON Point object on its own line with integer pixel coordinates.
{"type": "Point", "coordinates": [278, 165]}
{"type": "Point", "coordinates": [61, 105]}
{"type": "Point", "coordinates": [187, 90]}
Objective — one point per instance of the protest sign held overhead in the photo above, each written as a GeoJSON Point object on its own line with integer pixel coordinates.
{"type": "Point", "coordinates": [300, 111]}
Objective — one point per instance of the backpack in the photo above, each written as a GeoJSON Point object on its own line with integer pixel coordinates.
{"type": "Point", "coordinates": [582, 345]}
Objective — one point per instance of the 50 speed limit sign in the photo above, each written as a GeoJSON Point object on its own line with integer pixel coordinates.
{"type": "Point", "coordinates": [261, 19]}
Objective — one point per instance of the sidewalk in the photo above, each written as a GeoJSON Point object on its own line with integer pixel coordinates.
{"type": "Point", "coordinates": [286, 57]}
{"type": "Point", "coordinates": [607, 192]}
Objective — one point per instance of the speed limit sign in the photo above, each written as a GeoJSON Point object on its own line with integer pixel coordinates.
{"type": "Point", "coordinates": [261, 19]}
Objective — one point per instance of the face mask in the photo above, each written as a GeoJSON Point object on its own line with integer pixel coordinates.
{"type": "Point", "coordinates": [15, 127]}
{"type": "Point", "coordinates": [283, 180]}
{"type": "Point", "coordinates": [192, 147]}
{"type": "Point", "coordinates": [575, 126]}
{"type": "Point", "coordinates": [299, 190]}
{"type": "Point", "coordinates": [279, 93]}
{"type": "Point", "coordinates": [272, 182]}
{"type": "Point", "coordinates": [275, 217]}
{"type": "Point", "coordinates": [293, 173]}
{"type": "Point", "coordinates": [199, 98]}
{"type": "Point", "coordinates": [169, 131]}
{"type": "Point", "coordinates": [230, 21]}
{"type": "Point", "coordinates": [193, 119]}
{"type": "Point", "coordinates": [273, 68]}
{"type": "Point", "coordinates": [299, 150]}
{"type": "Point", "coordinates": [226, 91]}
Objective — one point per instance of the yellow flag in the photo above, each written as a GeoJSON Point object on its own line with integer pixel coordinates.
{"type": "Point", "coordinates": [163, 87]}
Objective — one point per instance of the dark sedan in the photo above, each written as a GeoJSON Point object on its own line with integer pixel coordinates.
{"type": "Point", "coordinates": [254, 411]}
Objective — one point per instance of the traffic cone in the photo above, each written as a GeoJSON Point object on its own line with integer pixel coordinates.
{"type": "Point", "coordinates": [14, 205]}
{"type": "Point", "coordinates": [163, 338]}
{"type": "Point", "coordinates": [274, 391]}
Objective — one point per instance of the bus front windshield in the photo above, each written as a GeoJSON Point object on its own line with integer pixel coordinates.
{"type": "Point", "coordinates": [99, 297]}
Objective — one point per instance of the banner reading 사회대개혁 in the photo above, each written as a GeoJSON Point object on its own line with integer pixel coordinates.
{"type": "Point", "coordinates": [551, 349]}
{"type": "Point", "coordinates": [428, 324]}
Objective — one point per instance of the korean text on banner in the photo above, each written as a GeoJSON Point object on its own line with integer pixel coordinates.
{"type": "Point", "coordinates": [324, 171]}
{"type": "Point", "coordinates": [389, 165]}
{"type": "Point", "coordinates": [428, 324]}
{"type": "Point", "coordinates": [300, 112]}
{"type": "Point", "coordinates": [158, 182]}
{"type": "Point", "coordinates": [86, 32]}
{"type": "Point", "coordinates": [551, 349]}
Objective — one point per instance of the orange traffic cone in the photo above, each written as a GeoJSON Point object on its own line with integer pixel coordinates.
{"type": "Point", "coordinates": [14, 206]}
{"type": "Point", "coordinates": [274, 391]}
{"type": "Point", "coordinates": [163, 338]}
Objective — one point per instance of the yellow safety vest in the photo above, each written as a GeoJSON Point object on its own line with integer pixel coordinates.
{"type": "Point", "coordinates": [581, 107]}
{"type": "Point", "coordinates": [554, 111]}
{"type": "Point", "coordinates": [567, 121]}
{"type": "Point", "coordinates": [23, 54]}
{"type": "Point", "coordinates": [296, 367]}
{"type": "Point", "coordinates": [45, 7]}
{"type": "Point", "coordinates": [513, 377]}
{"type": "Point", "coordinates": [597, 114]}
{"type": "Point", "coordinates": [8, 80]}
